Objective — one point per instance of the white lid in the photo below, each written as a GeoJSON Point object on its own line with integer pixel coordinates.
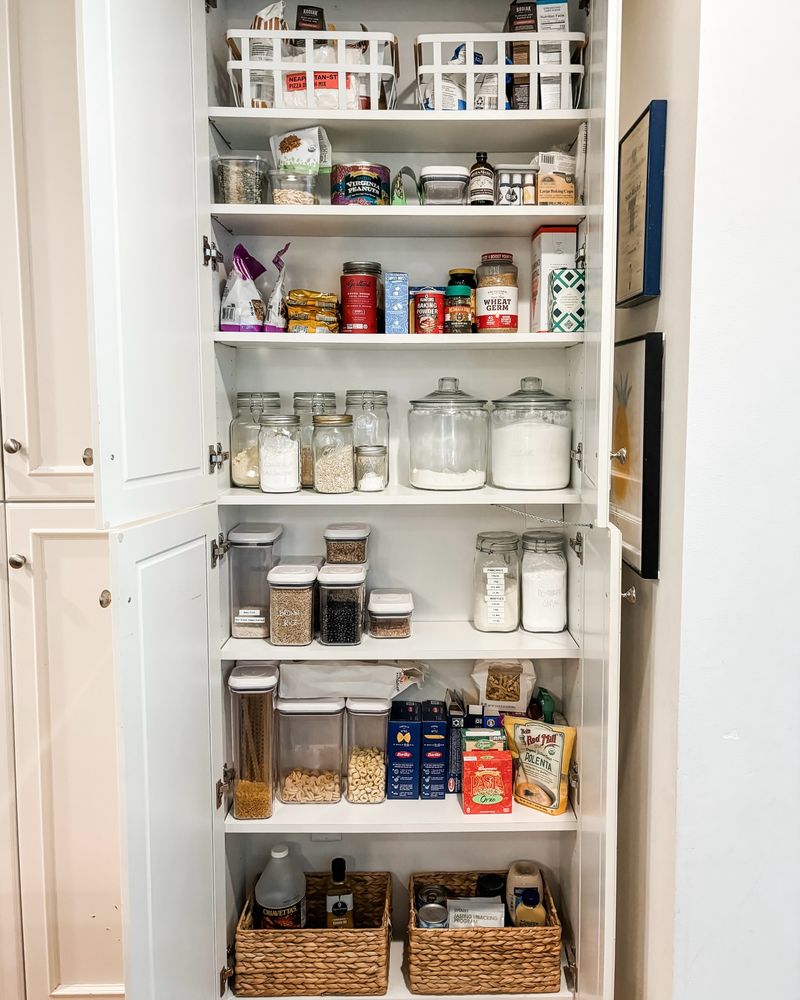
{"type": "Point", "coordinates": [255, 533]}
{"type": "Point", "coordinates": [390, 602]}
{"type": "Point", "coordinates": [342, 574]}
{"type": "Point", "coordinates": [369, 706]}
{"type": "Point", "coordinates": [318, 561]}
{"type": "Point", "coordinates": [462, 173]}
{"type": "Point", "coordinates": [340, 532]}
{"type": "Point", "coordinates": [514, 168]}
{"type": "Point", "coordinates": [286, 575]}
{"type": "Point", "coordinates": [279, 851]}
{"type": "Point", "coordinates": [250, 678]}
{"type": "Point", "coordinates": [310, 706]}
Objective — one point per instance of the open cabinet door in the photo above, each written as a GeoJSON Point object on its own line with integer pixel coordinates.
{"type": "Point", "coordinates": [141, 70]}
{"type": "Point", "coordinates": [169, 700]}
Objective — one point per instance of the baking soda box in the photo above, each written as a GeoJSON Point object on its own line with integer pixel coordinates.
{"type": "Point", "coordinates": [403, 749]}
{"type": "Point", "coordinates": [487, 782]}
{"type": "Point", "coordinates": [435, 751]}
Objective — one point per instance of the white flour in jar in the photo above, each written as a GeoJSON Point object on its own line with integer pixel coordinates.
{"type": "Point", "coordinates": [428, 479]}
{"type": "Point", "coordinates": [544, 592]}
{"type": "Point", "coordinates": [497, 601]}
{"type": "Point", "coordinates": [531, 455]}
{"type": "Point", "coordinates": [280, 464]}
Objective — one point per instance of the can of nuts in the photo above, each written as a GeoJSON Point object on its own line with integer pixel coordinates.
{"type": "Point", "coordinates": [429, 310]}
{"type": "Point", "coordinates": [432, 915]}
{"type": "Point", "coordinates": [431, 892]}
{"type": "Point", "coordinates": [361, 294]}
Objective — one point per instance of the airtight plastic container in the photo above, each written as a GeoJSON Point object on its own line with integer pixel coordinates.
{"type": "Point", "coordinates": [347, 543]}
{"type": "Point", "coordinates": [253, 553]}
{"type": "Point", "coordinates": [444, 185]}
{"type": "Point", "coordinates": [252, 690]}
{"type": "Point", "coordinates": [389, 614]}
{"type": "Point", "coordinates": [367, 721]}
{"type": "Point", "coordinates": [310, 749]}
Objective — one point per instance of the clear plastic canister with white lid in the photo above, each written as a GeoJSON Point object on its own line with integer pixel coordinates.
{"type": "Point", "coordinates": [291, 607]}
{"type": "Point", "coordinates": [310, 742]}
{"type": "Point", "coordinates": [544, 582]}
{"type": "Point", "coordinates": [252, 694]}
{"type": "Point", "coordinates": [389, 613]}
{"type": "Point", "coordinates": [253, 553]}
{"type": "Point", "coordinates": [367, 724]}
{"type": "Point", "coordinates": [342, 591]}
{"type": "Point", "coordinates": [347, 543]}
{"type": "Point", "coordinates": [448, 439]}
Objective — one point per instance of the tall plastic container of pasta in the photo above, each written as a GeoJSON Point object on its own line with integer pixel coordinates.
{"type": "Point", "coordinates": [252, 688]}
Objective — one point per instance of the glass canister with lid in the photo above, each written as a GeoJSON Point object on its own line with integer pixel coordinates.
{"type": "Point", "coordinates": [244, 435]}
{"type": "Point", "coordinates": [544, 582]}
{"type": "Point", "coordinates": [306, 404]}
{"type": "Point", "coordinates": [252, 693]}
{"type": "Point", "coordinates": [496, 579]}
{"type": "Point", "coordinates": [448, 439]}
{"type": "Point", "coordinates": [279, 452]}
{"type": "Point", "coordinates": [497, 294]}
{"type": "Point", "coordinates": [531, 439]}
{"type": "Point", "coordinates": [334, 455]}
{"type": "Point", "coordinates": [253, 553]}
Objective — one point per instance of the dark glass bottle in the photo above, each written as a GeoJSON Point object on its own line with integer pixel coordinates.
{"type": "Point", "coordinates": [339, 897]}
{"type": "Point", "coordinates": [481, 181]}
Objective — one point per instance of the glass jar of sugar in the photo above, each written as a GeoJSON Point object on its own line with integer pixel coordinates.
{"type": "Point", "coordinates": [544, 582]}
{"type": "Point", "coordinates": [496, 582]}
{"type": "Point", "coordinates": [279, 453]}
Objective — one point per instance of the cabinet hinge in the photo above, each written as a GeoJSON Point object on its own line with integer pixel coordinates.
{"type": "Point", "coordinates": [211, 5]}
{"type": "Point", "coordinates": [219, 546]}
{"type": "Point", "coordinates": [211, 253]}
{"type": "Point", "coordinates": [226, 973]}
{"type": "Point", "coordinates": [576, 544]}
{"type": "Point", "coordinates": [577, 454]}
{"type": "Point", "coordinates": [575, 781]}
{"type": "Point", "coordinates": [224, 784]}
{"type": "Point", "coordinates": [570, 966]}
{"type": "Point", "coordinates": [216, 458]}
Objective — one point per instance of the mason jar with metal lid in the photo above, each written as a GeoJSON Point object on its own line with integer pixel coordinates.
{"type": "Point", "coordinates": [531, 439]}
{"type": "Point", "coordinates": [306, 404]}
{"type": "Point", "coordinates": [244, 435]}
{"type": "Point", "coordinates": [362, 297]}
{"type": "Point", "coordinates": [372, 468]}
{"type": "Point", "coordinates": [544, 582]}
{"type": "Point", "coordinates": [448, 439]}
{"type": "Point", "coordinates": [334, 457]}
{"type": "Point", "coordinates": [496, 593]}
{"type": "Point", "coordinates": [279, 452]}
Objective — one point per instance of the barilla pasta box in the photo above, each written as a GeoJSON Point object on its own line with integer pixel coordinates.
{"type": "Point", "coordinates": [402, 750]}
{"type": "Point", "coordinates": [487, 782]}
{"type": "Point", "coordinates": [455, 726]}
{"type": "Point", "coordinates": [435, 751]}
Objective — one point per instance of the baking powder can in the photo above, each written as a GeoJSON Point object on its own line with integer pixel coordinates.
{"type": "Point", "coordinates": [361, 297]}
{"type": "Point", "coordinates": [429, 310]}
{"type": "Point", "coordinates": [432, 915]}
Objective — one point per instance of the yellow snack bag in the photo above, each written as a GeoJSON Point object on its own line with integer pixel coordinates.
{"type": "Point", "coordinates": [542, 755]}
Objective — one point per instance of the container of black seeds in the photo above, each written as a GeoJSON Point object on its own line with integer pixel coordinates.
{"type": "Point", "coordinates": [342, 592]}
{"type": "Point", "coordinates": [241, 180]}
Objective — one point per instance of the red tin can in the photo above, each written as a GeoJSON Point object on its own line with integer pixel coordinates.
{"type": "Point", "coordinates": [429, 310]}
{"type": "Point", "coordinates": [361, 297]}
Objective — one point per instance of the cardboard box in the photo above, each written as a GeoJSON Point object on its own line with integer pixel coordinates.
{"type": "Point", "coordinates": [482, 739]}
{"type": "Point", "coordinates": [551, 15]}
{"type": "Point", "coordinates": [395, 294]}
{"type": "Point", "coordinates": [455, 726]}
{"type": "Point", "coordinates": [402, 750]}
{"type": "Point", "coordinates": [434, 751]}
{"type": "Point", "coordinates": [567, 295]}
{"type": "Point", "coordinates": [488, 782]}
{"type": "Point", "coordinates": [521, 17]}
{"type": "Point", "coordinates": [552, 247]}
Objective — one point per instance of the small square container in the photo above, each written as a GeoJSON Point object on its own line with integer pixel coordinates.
{"type": "Point", "coordinates": [347, 543]}
{"type": "Point", "coordinates": [444, 185]}
{"type": "Point", "coordinates": [342, 592]}
{"type": "Point", "coordinates": [310, 749]}
{"type": "Point", "coordinates": [293, 189]}
{"type": "Point", "coordinates": [367, 723]}
{"type": "Point", "coordinates": [291, 604]}
{"type": "Point", "coordinates": [389, 614]}
{"type": "Point", "coordinates": [240, 180]}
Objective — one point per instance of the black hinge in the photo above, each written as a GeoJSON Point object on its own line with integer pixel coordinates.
{"type": "Point", "coordinates": [224, 784]}
{"type": "Point", "coordinates": [211, 5]}
{"type": "Point", "coordinates": [575, 781]}
{"type": "Point", "coordinates": [216, 458]}
{"type": "Point", "coordinates": [211, 253]}
{"type": "Point", "coordinates": [570, 966]}
{"type": "Point", "coordinates": [218, 549]}
{"type": "Point", "coordinates": [577, 454]}
{"type": "Point", "coordinates": [225, 975]}
{"type": "Point", "coordinates": [576, 544]}
{"type": "Point", "coordinates": [585, 5]}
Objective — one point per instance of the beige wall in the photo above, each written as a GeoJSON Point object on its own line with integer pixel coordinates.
{"type": "Point", "coordinates": [659, 60]}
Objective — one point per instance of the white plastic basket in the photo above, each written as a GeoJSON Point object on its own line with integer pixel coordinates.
{"type": "Point", "coordinates": [319, 70]}
{"type": "Point", "coordinates": [445, 86]}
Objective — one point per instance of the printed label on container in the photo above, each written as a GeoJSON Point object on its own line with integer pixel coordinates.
{"type": "Point", "coordinates": [497, 307]}
{"type": "Point", "coordinates": [339, 907]}
{"type": "Point", "coordinates": [286, 917]}
{"type": "Point", "coordinates": [495, 595]}
{"type": "Point", "coordinates": [323, 80]}
{"type": "Point", "coordinates": [249, 616]}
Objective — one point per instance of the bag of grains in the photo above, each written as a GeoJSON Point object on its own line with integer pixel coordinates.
{"type": "Point", "coordinates": [277, 313]}
{"type": "Point", "coordinates": [505, 684]}
{"type": "Point", "coordinates": [242, 308]}
{"type": "Point", "coordinates": [305, 151]}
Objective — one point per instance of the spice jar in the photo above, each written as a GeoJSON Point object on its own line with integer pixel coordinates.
{"type": "Point", "coordinates": [448, 439]}
{"type": "Point", "coordinates": [341, 604]}
{"type": "Point", "coordinates": [531, 439]}
{"type": "Point", "coordinates": [389, 614]}
{"type": "Point", "coordinates": [498, 294]}
{"type": "Point", "coordinates": [253, 553]}
{"type": "Point", "coordinates": [544, 582]}
{"type": "Point", "coordinates": [244, 435]}
{"type": "Point", "coordinates": [496, 594]}
{"type": "Point", "coordinates": [291, 604]}
{"type": "Point", "coordinates": [367, 723]}
{"type": "Point", "coordinates": [509, 186]}
{"type": "Point", "coordinates": [334, 458]}
{"type": "Point", "coordinates": [279, 453]}
{"type": "Point", "coordinates": [362, 297]}
{"type": "Point", "coordinates": [372, 468]}
{"type": "Point", "coordinates": [529, 187]}
{"type": "Point", "coordinates": [252, 687]}
{"type": "Point", "coordinates": [306, 404]}
{"type": "Point", "coordinates": [457, 309]}
{"type": "Point", "coordinates": [466, 276]}
{"type": "Point", "coordinates": [347, 543]}
{"type": "Point", "coordinates": [310, 750]}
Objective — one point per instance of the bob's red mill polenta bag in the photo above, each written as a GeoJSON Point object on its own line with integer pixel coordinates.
{"type": "Point", "coordinates": [542, 756]}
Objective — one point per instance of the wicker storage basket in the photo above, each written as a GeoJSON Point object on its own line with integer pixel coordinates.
{"type": "Point", "coordinates": [482, 960]}
{"type": "Point", "coordinates": [316, 961]}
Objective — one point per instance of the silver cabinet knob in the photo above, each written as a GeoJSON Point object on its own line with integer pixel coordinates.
{"type": "Point", "coordinates": [629, 595]}
{"type": "Point", "coordinates": [16, 562]}
{"type": "Point", "coordinates": [11, 446]}
{"type": "Point", "coordinates": [620, 456]}
{"type": "Point", "coordinates": [88, 456]}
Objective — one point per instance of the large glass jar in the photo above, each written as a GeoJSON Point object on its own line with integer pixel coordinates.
{"type": "Point", "coordinates": [367, 724]}
{"type": "Point", "coordinates": [544, 582]}
{"type": "Point", "coordinates": [253, 553]}
{"type": "Point", "coordinates": [310, 750]}
{"type": "Point", "coordinates": [497, 299]}
{"type": "Point", "coordinates": [448, 439]}
{"type": "Point", "coordinates": [496, 596]}
{"type": "Point", "coordinates": [279, 453]}
{"type": "Point", "coordinates": [531, 439]}
{"type": "Point", "coordinates": [334, 457]}
{"type": "Point", "coordinates": [306, 404]}
{"type": "Point", "coordinates": [369, 409]}
{"type": "Point", "coordinates": [244, 435]}
{"type": "Point", "coordinates": [342, 594]}
{"type": "Point", "coordinates": [252, 687]}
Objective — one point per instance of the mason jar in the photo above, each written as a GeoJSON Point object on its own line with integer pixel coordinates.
{"type": "Point", "coordinates": [496, 582]}
{"type": "Point", "coordinates": [544, 582]}
{"type": "Point", "coordinates": [279, 453]}
{"type": "Point", "coordinates": [372, 468]}
{"type": "Point", "coordinates": [306, 404]}
{"type": "Point", "coordinates": [448, 439]}
{"type": "Point", "coordinates": [244, 435]}
{"type": "Point", "coordinates": [334, 459]}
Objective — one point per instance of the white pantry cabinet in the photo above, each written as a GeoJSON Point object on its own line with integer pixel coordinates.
{"type": "Point", "coordinates": [153, 111]}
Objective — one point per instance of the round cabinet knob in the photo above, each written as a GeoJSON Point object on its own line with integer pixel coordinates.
{"type": "Point", "coordinates": [629, 595]}
{"type": "Point", "coordinates": [620, 456]}
{"type": "Point", "coordinates": [11, 446]}
{"type": "Point", "coordinates": [16, 562]}
{"type": "Point", "coordinates": [88, 456]}
{"type": "Point", "coordinates": [105, 598]}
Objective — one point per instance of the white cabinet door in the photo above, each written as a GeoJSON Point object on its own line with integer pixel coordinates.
{"type": "Point", "coordinates": [65, 740]}
{"type": "Point", "coordinates": [142, 80]}
{"type": "Point", "coordinates": [169, 698]}
{"type": "Point", "coordinates": [44, 375]}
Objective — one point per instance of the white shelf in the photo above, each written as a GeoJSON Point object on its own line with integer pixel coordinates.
{"type": "Point", "coordinates": [402, 342]}
{"type": "Point", "coordinates": [399, 816]}
{"type": "Point", "coordinates": [371, 132]}
{"type": "Point", "coordinates": [428, 641]}
{"type": "Point", "coordinates": [396, 495]}
{"type": "Point", "coordinates": [386, 221]}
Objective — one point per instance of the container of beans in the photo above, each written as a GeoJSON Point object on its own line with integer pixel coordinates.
{"type": "Point", "coordinates": [389, 614]}
{"type": "Point", "coordinates": [310, 749]}
{"type": "Point", "coordinates": [291, 604]}
{"type": "Point", "coordinates": [252, 689]}
{"type": "Point", "coordinates": [342, 592]}
{"type": "Point", "coordinates": [497, 299]}
{"type": "Point", "coordinates": [347, 543]}
{"type": "Point", "coordinates": [366, 725]}
{"type": "Point", "coordinates": [240, 180]}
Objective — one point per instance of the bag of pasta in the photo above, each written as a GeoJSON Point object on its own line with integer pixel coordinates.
{"type": "Point", "coordinates": [506, 685]}
{"type": "Point", "coordinates": [542, 756]}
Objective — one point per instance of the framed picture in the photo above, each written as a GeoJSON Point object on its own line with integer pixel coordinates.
{"type": "Point", "coordinates": [640, 208]}
{"type": "Point", "coordinates": [636, 482]}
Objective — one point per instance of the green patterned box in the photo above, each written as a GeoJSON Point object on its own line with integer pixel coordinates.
{"type": "Point", "coordinates": [567, 287]}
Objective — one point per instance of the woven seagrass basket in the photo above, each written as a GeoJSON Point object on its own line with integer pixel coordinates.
{"type": "Point", "coordinates": [482, 959]}
{"type": "Point", "coordinates": [316, 961]}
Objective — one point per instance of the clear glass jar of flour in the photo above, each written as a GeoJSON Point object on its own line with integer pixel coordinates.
{"type": "Point", "coordinates": [496, 582]}
{"type": "Point", "coordinates": [544, 582]}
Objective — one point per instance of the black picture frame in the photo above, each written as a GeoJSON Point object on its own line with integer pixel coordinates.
{"type": "Point", "coordinates": [637, 426]}
{"type": "Point", "coordinates": [640, 208]}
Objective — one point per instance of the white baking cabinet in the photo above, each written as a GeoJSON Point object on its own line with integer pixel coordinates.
{"type": "Point", "coordinates": [153, 112]}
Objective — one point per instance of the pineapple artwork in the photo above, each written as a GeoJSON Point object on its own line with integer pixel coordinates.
{"type": "Point", "coordinates": [621, 438]}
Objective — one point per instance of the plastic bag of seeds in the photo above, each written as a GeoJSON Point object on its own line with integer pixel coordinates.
{"type": "Point", "coordinates": [506, 685]}
{"type": "Point", "coordinates": [305, 151]}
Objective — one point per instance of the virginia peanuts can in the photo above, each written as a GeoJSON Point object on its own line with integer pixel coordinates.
{"type": "Point", "coordinates": [360, 183]}
{"type": "Point", "coordinates": [362, 301]}
{"type": "Point", "coordinates": [429, 310]}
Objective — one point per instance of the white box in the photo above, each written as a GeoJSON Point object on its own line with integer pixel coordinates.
{"type": "Point", "coordinates": [551, 247]}
{"type": "Point", "coordinates": [551, 15]}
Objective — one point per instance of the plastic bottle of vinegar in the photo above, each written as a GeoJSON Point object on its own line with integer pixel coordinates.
{"type": "Point", "coordinates": [281, 893]}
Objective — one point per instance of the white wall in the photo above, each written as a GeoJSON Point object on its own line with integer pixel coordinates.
{"type": "Point", "coordinates": [738, 761]}
{"type": "Point", "coordinates": [659, 60]}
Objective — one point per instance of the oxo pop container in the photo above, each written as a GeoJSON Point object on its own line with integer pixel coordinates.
{"type": "Point", "coordinates": [444, 185]}
{"type": "Point", "coordinates": [253, 553]}
{"type": "Point", "coordinates": [252, 690]}
{"type": "Point", "coordinates": [342, 591]}
{"type": "Point", "coordinates": [291, 608]}
{"type": "Point", "coordinates": [347, 543]}
{"type": "Point", "coordinates": [310, 741]}
{"type": "Point", "coordinates": [366, 723]}
{"type": "Point", "coordinates": [389, 614]}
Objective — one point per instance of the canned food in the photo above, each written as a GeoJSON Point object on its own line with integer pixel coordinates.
{"type": "Point", "coordinates": [432, 892]}
{"type": "Point", "coordinates": [362, 300]}
{"type": "Point", "coordinates": [429, 310]}
{"type": "Point", "coordinates": [432, 915]}
{"type": "Point", "coordinates": [360, 183]}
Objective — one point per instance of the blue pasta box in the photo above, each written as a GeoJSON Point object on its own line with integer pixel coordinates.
{"type": "Point", "coordinates": [403, 749]}
{"type": "Point", "coordinates": [435, 751]}
{"type": "Point", "coordinates": [455, 726]}
{"type": "Point", "coordinates": [395, 297]}
{"type": "Point", "coordinates": [567, 298]}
